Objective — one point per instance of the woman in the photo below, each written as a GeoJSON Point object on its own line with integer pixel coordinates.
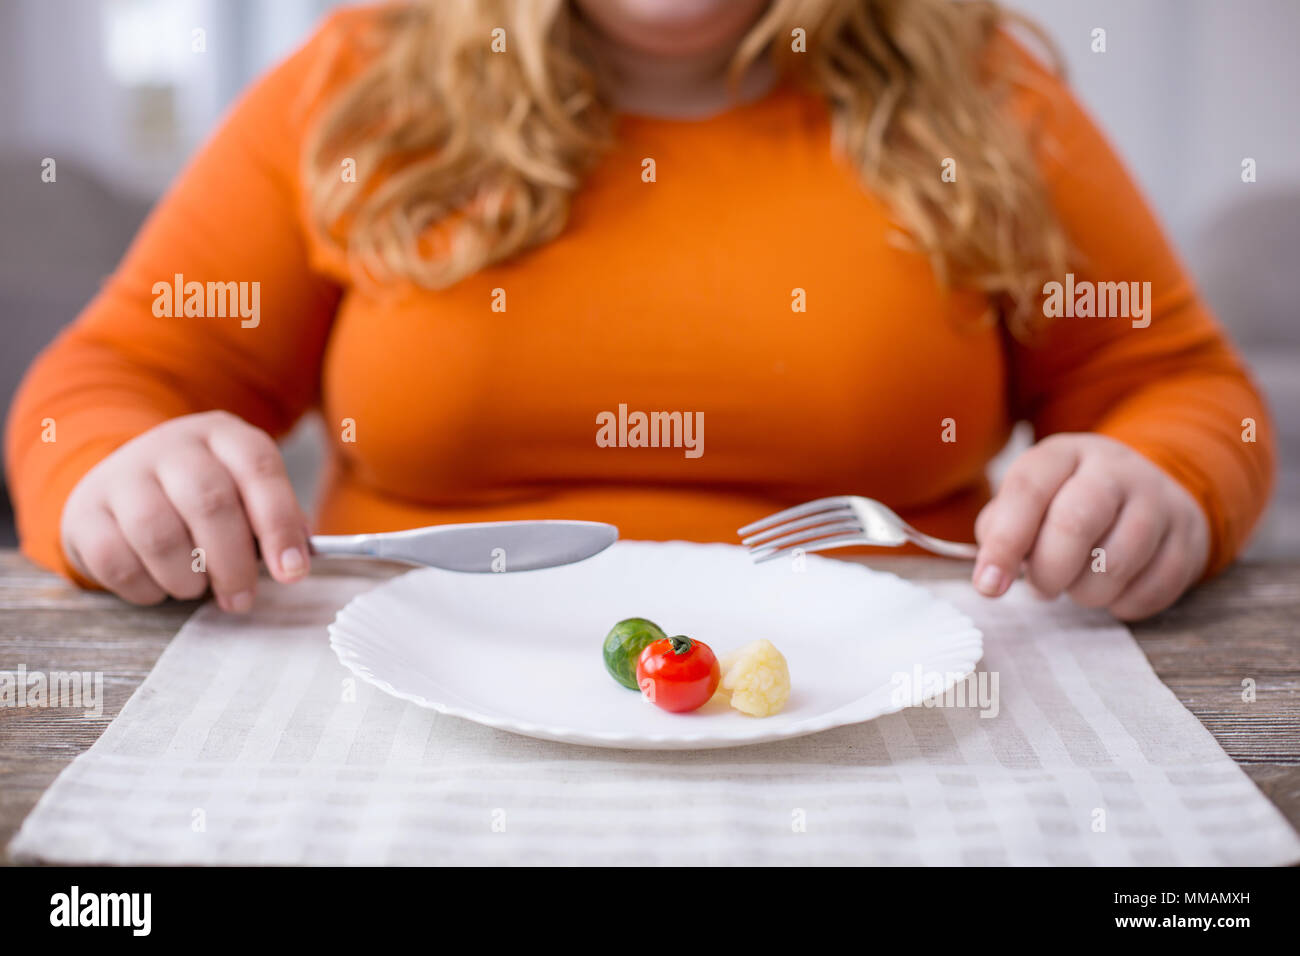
{"type": "Point", "coordinates": [839, 232]}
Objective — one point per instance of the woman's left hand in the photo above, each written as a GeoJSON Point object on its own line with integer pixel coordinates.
{"type": "Point", "coordinates": [1089, 516]}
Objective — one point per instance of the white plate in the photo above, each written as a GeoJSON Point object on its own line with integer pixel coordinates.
{"type": "Point", "coordinates": [522, 652]}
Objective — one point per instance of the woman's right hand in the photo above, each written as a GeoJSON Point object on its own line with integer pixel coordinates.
{"type": "Point", "coordinates": [210, 482]}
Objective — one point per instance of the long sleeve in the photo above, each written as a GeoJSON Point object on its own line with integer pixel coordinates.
{"type": "Point", "coordinates": [1174, 390]}
{"type": "Point", "coordinates": [124, 366]}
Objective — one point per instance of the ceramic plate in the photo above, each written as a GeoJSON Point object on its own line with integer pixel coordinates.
{"type": "Point", "coordinates": [522, 652]}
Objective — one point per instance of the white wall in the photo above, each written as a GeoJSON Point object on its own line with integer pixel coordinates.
{"type": "Point", "coordinates": [1186, 88]}
{"type": "Point", "coordinates": [61, 99]}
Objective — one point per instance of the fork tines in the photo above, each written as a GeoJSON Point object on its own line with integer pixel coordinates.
{"type": "Point", "coordinates": [811, 526]}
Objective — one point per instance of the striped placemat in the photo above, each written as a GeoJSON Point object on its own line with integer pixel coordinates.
{"type": "Point", "coordinates": [249, 743]}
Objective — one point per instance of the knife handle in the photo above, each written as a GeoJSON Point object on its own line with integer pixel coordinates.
{"type": "Point", "coordinates": [352, 544]}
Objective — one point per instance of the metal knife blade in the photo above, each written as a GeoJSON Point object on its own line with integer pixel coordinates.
{"type": "Point", "coordinates": [480, 547]}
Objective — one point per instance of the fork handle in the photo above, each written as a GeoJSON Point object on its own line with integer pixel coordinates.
{"type": "Point", "coordinates": [949, 549]}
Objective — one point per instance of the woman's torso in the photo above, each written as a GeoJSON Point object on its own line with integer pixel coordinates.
{"type": "Point", "coordinates": [676, 296]}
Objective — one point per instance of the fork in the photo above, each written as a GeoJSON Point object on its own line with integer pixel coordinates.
{"type": "Point", "coordinates": [839, 522]}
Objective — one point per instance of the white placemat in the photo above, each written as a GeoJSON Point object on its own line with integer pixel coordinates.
{"type": "Point", "coordinates": [250, 743]}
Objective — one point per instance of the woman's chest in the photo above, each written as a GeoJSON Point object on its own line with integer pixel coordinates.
{"type": "Point", "coordinates": [766, 309]}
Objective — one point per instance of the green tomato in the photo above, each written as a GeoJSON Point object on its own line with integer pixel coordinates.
{"type": "Point", "coordinates": [624, 644]}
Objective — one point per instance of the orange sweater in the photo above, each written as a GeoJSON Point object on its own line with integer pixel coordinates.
{"type": "Point", "coordinates": [667, 296]}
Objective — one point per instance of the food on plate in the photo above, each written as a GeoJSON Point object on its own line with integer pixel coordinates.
{"type": "Point", "coordinates": [624, 644]}
{"type": "Point", "coordinates": [678, 674]}
{"type": "Point", "coordinates": [755, 679]}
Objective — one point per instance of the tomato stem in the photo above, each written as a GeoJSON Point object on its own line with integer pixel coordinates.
{"type": "Point", "coordinates": [681, 644]}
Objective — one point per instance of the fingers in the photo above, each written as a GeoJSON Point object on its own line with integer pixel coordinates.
{"type": "Point", "coordinates": [182, 508]}
{"type": "Point", "coordinates": [1167, 575]}
{"type": "Point", "coordinates": [206, 498]}
{"type": "Point", "coordinates": [1083, 509]}
{"type": "Point", "coordinates": [1008, 526]}
{"type": "Point", "coordinates": [158, 535]}
{"type": "Point", "coordinates": [100, 550]}
{"type": "Point", "coordinates": [255, 464]}
{"type": "Point", "coordinates": [1126, 550]}
{"type": "Point", "coordinates": [1098, 520]}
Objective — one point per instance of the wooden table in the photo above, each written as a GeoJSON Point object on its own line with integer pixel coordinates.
{"type": "Point", "coordinates": [1245, 624]}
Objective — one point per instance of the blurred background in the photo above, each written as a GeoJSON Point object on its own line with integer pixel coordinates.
{"type": "Point", "coordinates": [119, 94]}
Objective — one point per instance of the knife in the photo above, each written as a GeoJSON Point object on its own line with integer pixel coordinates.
{"type": "Point", "coordinates": [480, 547]}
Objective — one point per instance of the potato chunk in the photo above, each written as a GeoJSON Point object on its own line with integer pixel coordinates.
{"type": "Point", "coordinates": [756, 679]}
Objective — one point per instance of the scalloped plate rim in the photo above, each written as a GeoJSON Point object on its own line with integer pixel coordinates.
{"type": "Point", "coordinates": [966, 644]}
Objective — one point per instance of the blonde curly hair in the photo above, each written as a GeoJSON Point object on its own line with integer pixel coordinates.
{"type": "Point", "coordinates": [466, 157]}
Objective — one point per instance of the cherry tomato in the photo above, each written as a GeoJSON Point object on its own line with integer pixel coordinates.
{"type": "Point", "coordinates": [677, 673]}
